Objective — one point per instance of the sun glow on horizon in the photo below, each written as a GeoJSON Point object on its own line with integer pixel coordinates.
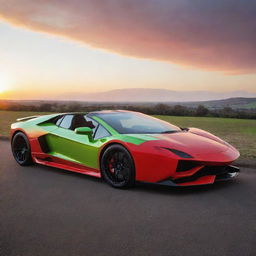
{"type": "Point", "coordinates": [5, 83]}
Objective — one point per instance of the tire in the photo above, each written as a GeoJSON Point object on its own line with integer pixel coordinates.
{"type": "Point", "coordinates": [117, 167]}
{"type": "Point", "coordinates": [21, 149]}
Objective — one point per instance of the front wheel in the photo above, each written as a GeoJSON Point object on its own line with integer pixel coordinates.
{"type": "Point", "coordinates": [21, 149]}
{"type": "Point", "coordinates": [117, 167]}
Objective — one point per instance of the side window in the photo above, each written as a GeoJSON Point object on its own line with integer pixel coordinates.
{"type": "Point", "coordinates": [93, 122]}
{"type": "Point", "coordinates": [59, 120]}
{"type": "Point", "coordinates": [66, 121]}
{"type": "Point", "coordinates": [101, 132]}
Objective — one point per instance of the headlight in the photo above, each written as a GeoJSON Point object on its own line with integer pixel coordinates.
{"type": "Point", "coordinates": [179, 153]}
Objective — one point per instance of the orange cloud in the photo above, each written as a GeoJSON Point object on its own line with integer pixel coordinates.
{"type": "Point", "coordinates": [214, 35]}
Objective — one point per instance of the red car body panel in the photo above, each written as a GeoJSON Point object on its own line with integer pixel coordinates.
{"type": "Point", "coordinates": [153, 161]}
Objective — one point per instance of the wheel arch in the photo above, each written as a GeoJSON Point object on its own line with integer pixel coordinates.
{"type": "Point", "coordinates": [17, 131]}
{"type": "Point", "coordinates": [106, 146]}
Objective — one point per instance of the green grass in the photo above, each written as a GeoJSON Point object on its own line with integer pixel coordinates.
{"type": "Point", "coordinates": [9, 117]}
{"type": "Point", "coordinates": [248, 106]}
{"type": "Point", "coordinates": [241, 133]}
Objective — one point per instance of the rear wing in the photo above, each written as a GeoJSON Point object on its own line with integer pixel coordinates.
{"type": "Point", "coordinates": [26, 118]}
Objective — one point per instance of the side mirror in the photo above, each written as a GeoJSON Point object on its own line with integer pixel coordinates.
{"type": "Point", "coordinates": [85, 131]}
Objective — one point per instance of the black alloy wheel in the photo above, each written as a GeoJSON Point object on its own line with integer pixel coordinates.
{"type": "Point", "coordinates": [21, 149]}
{"type": "Point", "coordinates": [117, 167]}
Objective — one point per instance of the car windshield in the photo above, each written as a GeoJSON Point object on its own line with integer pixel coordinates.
{"type": "Point", "coordinates": [137, 123]}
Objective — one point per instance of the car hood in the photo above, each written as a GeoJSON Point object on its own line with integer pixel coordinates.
{"type": "Point", "coordinates": [191, 143]}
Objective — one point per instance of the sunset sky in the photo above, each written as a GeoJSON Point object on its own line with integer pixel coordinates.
{"type": "Point", "coordinates": [52, 48]}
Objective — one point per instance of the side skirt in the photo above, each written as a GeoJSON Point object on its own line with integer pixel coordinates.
{"type": "Point", "coordinates": [56, 162]}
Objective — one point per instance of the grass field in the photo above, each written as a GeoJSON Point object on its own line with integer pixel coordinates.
{"type": "Point", "coordinates": [9, 117]}
{"type": "Point", "coordinates": [239, 132]}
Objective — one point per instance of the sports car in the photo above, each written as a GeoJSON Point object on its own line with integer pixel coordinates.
{"type": "Point", "coordinates": [123, 147]}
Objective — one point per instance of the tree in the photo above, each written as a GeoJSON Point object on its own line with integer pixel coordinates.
{"type": "Point", "coordinates": [162, 109]}
{"type": "Point", "coordinates": [202, 111]}
{"type": "Point", "coordinates": [179, 110]}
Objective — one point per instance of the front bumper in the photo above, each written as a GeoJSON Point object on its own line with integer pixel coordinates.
{"type": "Point", "coordinates": [206, 175]}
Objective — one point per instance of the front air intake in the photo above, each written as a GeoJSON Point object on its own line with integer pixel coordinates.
{"type": "Point", "coordinates": [184, 166]}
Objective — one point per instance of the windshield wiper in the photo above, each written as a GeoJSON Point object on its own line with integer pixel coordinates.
{"type": "Point", "coordinates": [169, 131]}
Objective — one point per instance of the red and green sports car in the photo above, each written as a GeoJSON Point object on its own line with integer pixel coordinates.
{"type": "Point", "coordinates": [123, 147]}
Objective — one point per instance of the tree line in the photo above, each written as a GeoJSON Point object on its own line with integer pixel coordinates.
{"type": "Point", "coordinates": [151, 109]}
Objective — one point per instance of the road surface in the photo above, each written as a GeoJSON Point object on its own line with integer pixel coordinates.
{"type": "Point", "coordinates": [50, 212]}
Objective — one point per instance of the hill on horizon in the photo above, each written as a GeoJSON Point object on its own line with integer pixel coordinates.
{"type": "Point", "coordinates": [154, 95]}
{"type": "Point", "coordinates": [236, 103]}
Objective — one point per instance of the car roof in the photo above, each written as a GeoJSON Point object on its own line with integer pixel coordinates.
{"type": "Point", "coordinates": [97, 112]}
{"type": "Point", "coordinates": [109, 112]}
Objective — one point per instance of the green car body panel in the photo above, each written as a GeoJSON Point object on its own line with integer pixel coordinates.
{"type": "Point", "coordinates": [70, 146]}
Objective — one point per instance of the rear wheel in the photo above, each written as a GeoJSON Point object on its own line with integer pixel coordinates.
{"type": "Point", "coordinates": [21, 149]}
{"type": "Point", "coordinates": [117, 167]}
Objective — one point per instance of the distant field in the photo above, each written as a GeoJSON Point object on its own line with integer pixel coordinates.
{"type": "Point", "coordinates": [9, 117]}
{"type": "Point", "coordinates": [239, 132]}
{"type": "Point", "coordinates": [251, 105]}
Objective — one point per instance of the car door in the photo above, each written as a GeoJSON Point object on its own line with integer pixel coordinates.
{"type": "Point", "coordinates": [68, 145]}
